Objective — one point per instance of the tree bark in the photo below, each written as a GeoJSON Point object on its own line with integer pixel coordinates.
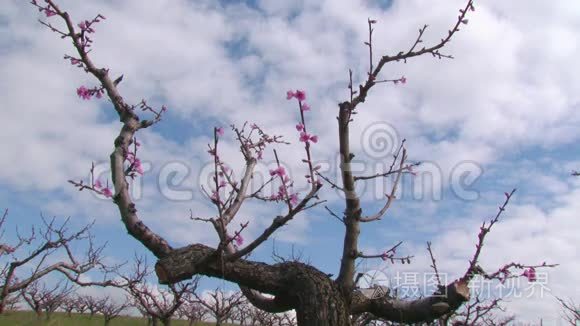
{"type": "Point", "coordinates": [317, 299]}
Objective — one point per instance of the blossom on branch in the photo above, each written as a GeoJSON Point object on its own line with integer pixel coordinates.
{"type": "Point", "coordinates": [530, 273]}
{"type": "Point", "coordinates": [280, 171]}
{"type": "Point", "coordinates": [300, 95]}
{"type": "Point", "coordinates": [305, 137]}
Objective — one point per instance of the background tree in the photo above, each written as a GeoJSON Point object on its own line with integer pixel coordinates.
{"type": "Point", "coordinates": [45, 298]}
{"type": "Point", "coordinates": [570, 310]}
{"type": "Point", "coordinates": [191, 310]}
{"type": "Point", "coordinates": [80, 304]}
{"type": "Point", "coordinates": [318, 299]}
{"type": "Point", "coordinates": [221, 305]}
{"type": "Point", "coordinates": [157, 303]}
{"type": "Point", "coordinates": [92, 304]}
{"type": "Point", "coordinates": [480, 312]}
{"type": "Point", "coordinates": [111, 309]}
{"type": "Point", "coordinates": [12, 302]}
{"type": "Point", "coordinates": [69, 304]}
{"type": "Point", "coordinates": [33, 252]}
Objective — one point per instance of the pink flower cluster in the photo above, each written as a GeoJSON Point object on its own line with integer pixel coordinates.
{"type": "Point", "coordinates": [530, 273]}
{"type": "Point", "coordinates": [300, 95]}
{"type": "Point", "coordinates": [305, 137]}
{"type": "Point", "coordinates": [105, 191]}
{"type": "Point", "coordinates": [86, 93]}
{"type": "Point", "coordinates": [86, 28]}
{"type": "Point", "coordinates": [283, 193]}
{"type": "Point", "coordinates": [135, 163]}
{"type": "Point", "coordinates": [239, 240]}
{"type": "Point", "coordinates": [388, 254]}
{"type": "Point", "coordinates": [48, 11]}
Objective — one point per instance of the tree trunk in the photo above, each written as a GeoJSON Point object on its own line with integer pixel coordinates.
{"type": "Point", "coordinates": [166, 321]}
{"type": "Point", "coordinates": [321, 304]}
{"type": "Point", "coordinates": [318, 299]}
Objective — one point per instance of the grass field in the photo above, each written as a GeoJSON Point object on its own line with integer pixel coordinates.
{"type": "Point", "coordinates": [28, 318]}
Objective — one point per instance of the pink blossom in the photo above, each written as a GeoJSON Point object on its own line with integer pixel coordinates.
{"type": "Point", "coordinates": [83, 25]}
{"type": "Point", "coordinates": [222, 183]}
{"type": "Point", "coordinates": [300, 127]}
{"type": "Point", "coordinates": [215, 197]}
{"type": "Point", "coordinates": [219, 131]}
{"type": "Point", "coordinates": [304, 137]}
{"type": "Point", "coordinates": [403, 80]}
{"type": "Point", "coordinates": [384, 256]}
{"type": "Point", "coordinates": [107, 192]}
{"type": "Point", "coordinates": [98, 184]}
{"type": "Point", "coordinates": [84, 93]}
{"type": "Point", "coordinates": [137, 166]}
{"type": "Point", "coordinates": [300, 95]}
{"type": "Point", "coordinates": [280, 171]}
{"type": "Point", "coordinates": [305, 107]}
{"type": "Point", "coordinates": [530, 273]}
{"type": "Point", "coordinates": [49, 12]}
{"type": "Point", "coordinates": [74, 61]}
{"type": "Point", "coordinates": [239, 240]}
{"type": "Point", "coordinates": [290, 95]}
{"type": "Point", "coordinates": [294, 199]}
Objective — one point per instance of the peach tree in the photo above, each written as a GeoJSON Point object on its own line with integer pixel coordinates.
{"type": "Point", "coordinates": [318, 298]}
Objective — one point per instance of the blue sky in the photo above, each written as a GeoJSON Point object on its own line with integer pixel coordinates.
{"type": "Point", "coordinates": [504, 112]}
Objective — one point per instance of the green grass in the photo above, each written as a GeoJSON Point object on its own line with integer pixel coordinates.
{"type": "Point", "coordinates": [28, 318]}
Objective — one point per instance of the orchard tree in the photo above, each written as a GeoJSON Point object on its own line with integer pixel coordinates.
{"type": "Point", "coordinates": [221, 305]}
{"type": "Point", "coordinates": [318, 298]}
{"type": "Point", "coordinates": [30, 257]}
{"type": "Point", "coordinates": [69, 304]}
{"type": "Point", "coordinates": [156, 303]}
{"type": "Point", "coordinates": [92, 304]}
{"type": "Point", "coordinates": [45, 298]}
{"type": "Point", "coordinates": [192, 311]}
{"type": "Point", "coordinates": [112, 309]}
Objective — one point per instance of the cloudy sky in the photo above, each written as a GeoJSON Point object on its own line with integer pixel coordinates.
{"type": "Point", "coordinates": [501, 115]}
